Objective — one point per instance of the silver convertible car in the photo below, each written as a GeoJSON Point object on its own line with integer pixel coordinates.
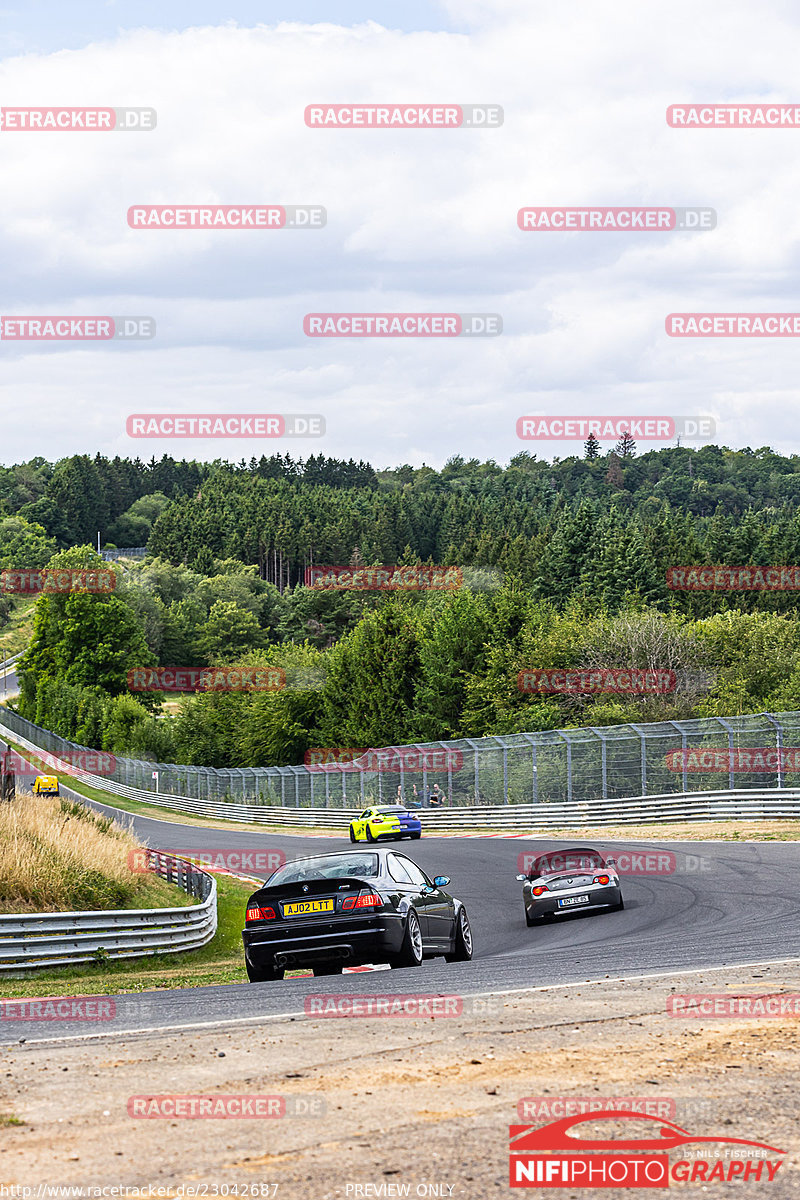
{"type": "Point", "coordinates": [565, 881]}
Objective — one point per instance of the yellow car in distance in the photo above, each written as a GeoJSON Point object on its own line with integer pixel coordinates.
{"type": "Point", "coordinates": [385, 822]}
{"type": "Point", "coordinates": [45, 785]}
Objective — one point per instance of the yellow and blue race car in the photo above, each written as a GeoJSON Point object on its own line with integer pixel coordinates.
{"type": "Point", "coordinates": [45, 785]}
{"type": "Point", "coordinates": [383, 822]}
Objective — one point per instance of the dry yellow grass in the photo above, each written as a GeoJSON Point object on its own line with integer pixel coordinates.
{"type": "Point", "coordinates": [57, 855]}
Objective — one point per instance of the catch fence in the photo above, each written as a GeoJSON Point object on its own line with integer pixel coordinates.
{"type": "Point", "coordinates": [558, 767]}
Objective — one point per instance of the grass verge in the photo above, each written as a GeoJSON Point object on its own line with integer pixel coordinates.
{"type": "Point", "coordinates": [18, 632]}
{"type": "Point", "coordinates": [58, 855]}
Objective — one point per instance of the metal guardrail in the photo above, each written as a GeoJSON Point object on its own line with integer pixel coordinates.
{"type": "Point", "coordinates": [65, 938]}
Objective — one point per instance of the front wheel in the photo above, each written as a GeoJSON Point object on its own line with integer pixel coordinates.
{"type": "Point", "coordinates": [264, 974]}
{"type": "Point", "coordinates": [352, 834]}
{"type": "Point", "coordinates": [462, 951]}
{"type": "Point", "coordinates": [411, 951]}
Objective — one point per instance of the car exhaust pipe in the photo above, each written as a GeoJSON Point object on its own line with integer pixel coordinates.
{"type": "Point", "coordinates": [286, 958]}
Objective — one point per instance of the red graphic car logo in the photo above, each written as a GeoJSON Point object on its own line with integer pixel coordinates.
{"type": "Point", "coordinates": [556, 1136]}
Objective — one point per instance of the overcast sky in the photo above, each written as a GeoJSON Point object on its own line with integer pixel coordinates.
{"type": "Point", "coordinates": [418, 220]}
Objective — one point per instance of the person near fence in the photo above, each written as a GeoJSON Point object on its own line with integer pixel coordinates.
{"type": "Point", "coordinates": [437, 798]}
{"type": "Point", "coordinates": [8, 782]}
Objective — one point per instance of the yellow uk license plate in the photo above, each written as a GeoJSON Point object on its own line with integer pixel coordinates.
{"type": "Point", "coordinates": [301, 907]}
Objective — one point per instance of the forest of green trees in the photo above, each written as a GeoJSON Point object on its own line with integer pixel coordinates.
{"type": "Point", "coordinates": [576, 554]}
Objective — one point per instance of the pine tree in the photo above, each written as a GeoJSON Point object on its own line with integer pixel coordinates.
{"type": "Point", "coordinates": [626, 446]}
{"type": "Point", "coordinates": [591, 448]}
{"type": "Point", "coordinates": [614, 476]}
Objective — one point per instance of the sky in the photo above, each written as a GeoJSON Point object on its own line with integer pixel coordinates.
{"type": "Point", "coordinates": [418, 221]}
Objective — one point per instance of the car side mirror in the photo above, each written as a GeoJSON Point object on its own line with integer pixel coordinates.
{"type": "Point", "coordinates": [441, 880]}
{"type": "Point", "coordinates": [522, 877]}
{"type": "Point", "coordinates": [610, 862]}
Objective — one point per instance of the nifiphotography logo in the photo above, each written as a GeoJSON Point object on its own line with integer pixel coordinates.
{"type": "Point", "coordinates": [558, 1155]}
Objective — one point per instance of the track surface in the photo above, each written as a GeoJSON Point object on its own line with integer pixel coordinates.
{"type": "Point", "coordinates": [743, 906]}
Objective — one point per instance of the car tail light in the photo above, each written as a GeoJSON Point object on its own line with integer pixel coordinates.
{"type": "Point", "coordinates": [261, 914]}
{"type": "Point", "coordinates": [601, 879]}
{"type": "Point", "coordinates": [538, 891]}
{"type": "Point", "coordinates": [362, 900]}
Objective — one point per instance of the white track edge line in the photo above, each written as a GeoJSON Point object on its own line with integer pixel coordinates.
{"type": "Point", "coordinates": [261, 1020]}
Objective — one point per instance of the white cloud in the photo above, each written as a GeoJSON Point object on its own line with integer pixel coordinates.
{"type": "Point", "coordinates": [417, 221]}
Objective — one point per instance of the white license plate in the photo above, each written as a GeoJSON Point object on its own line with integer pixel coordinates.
{"type": "Point", "coordinates": [568, 901]}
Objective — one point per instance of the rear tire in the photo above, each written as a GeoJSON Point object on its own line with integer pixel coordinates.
{"type": "Point", "coordinates": [264, 974]}
{"type": "Point", "coordinates": [352, 834]}
{"type": "Point", "coordinates": [411, 951]}
{"type": "Point", "coordinates": [414, 836]}
{"type": "Point", "coordinates": [462, 951]}
{"type": "Point", "coordinates": [370, 838]}
{"type": "Point", "coordinates": [529, 920]}
{"type": "Point", "coordinates": [328, 970]}
{"type": "Point", "coordinates": [619, 907]}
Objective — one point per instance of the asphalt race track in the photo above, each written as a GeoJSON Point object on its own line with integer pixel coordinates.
{"type": "Point", "coordinates": [724, 904]}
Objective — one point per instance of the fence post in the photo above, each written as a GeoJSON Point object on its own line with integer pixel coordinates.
{"type": "Point", "coordinates": [778, 745]}
{"type": "Point", "coordinates": [729, 728]}
{"type": "Point", "coordinates": [643, 753]}
{"type": "Point", "coordinates": [568, 743]}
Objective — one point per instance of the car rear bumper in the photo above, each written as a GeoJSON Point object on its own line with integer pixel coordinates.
{"type": "Point", "coordinates": [351, 943]}
{"type": "Point", "coordinates": [548, 906]}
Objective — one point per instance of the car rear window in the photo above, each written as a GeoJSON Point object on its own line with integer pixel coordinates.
{"type": "Point", "coordinates": [328, 866]}
{"type": "Point", "coordinates": [580, 858]}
